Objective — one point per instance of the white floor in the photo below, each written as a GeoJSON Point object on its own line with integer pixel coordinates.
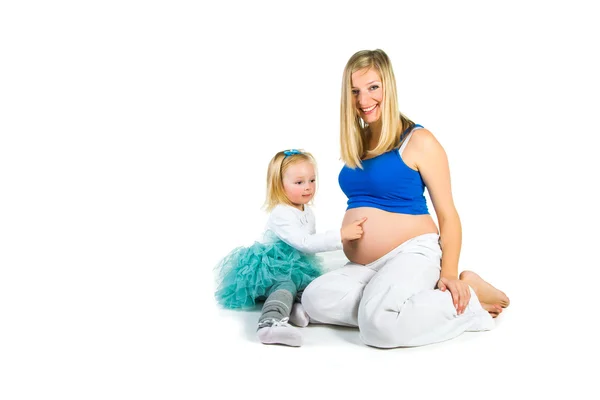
{"type": "Point", "coordinates": [158, 334]}
{"type": "Point", "coordinates": [532, 353]}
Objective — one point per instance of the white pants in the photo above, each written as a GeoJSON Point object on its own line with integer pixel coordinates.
{"type": "Point", "coordinates": [392, 300]}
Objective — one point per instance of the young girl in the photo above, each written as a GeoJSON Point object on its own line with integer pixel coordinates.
{"type": "Point", "coordinates": [281, 266]}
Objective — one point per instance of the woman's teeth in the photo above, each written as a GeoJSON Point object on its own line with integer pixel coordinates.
{"type": "Point", "coordinates": [366, 110]}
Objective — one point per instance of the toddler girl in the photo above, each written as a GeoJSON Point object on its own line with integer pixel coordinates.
{"type": "Point", "coordinates": [283, 264]}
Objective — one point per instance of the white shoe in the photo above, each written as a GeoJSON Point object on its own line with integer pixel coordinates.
{"type": "Point", "coordinates": [273, 331]}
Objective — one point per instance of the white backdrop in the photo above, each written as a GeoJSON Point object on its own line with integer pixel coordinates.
{"type": "Point", "coordinates": [134, 140]}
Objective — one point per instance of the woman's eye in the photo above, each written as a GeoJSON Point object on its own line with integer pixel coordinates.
{"type": "Point", "coordinates": [298, 183]}
{"type": "Point", "coordinates": [355, 92]}
{"type": "Point", "coordinates": [312, 180]}
{"type": "Point", "coordinates": [374, 87]}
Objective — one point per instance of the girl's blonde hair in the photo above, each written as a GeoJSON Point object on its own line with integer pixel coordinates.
{"type": "Point", "coordinates": [353, 130]}
{"type": "Point", "coordinates": [277, 167]}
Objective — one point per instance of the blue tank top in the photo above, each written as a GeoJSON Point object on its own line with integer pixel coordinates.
{"type": "Point", "coordinates": [385, 182]}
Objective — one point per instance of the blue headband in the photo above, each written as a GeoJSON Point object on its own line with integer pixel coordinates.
{"type": "Point", "coordinates": [291, 152]}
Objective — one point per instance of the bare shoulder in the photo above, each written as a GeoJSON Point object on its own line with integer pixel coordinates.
{"type": "Point", "coordinates": [423, 139]}
{"type": "Point", "coordinates": [422, 146]}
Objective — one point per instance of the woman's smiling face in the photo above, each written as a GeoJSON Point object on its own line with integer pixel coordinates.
{"type": "Point", "coordinates": [367, 90]}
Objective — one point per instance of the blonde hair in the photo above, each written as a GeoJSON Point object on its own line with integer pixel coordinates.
{"type": "Point", "coordinates": [277, 168]}
{"type": "Point", "coordinates": [353, 130]}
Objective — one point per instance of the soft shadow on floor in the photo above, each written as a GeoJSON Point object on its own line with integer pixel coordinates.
{"type": "Point", "coordinates": [317, 333]}
{"type": "Point", "coordinates": [320, 334]}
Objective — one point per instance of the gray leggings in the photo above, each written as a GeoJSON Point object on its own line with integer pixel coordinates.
{"type": "Point", "coordinates": [278, 304]}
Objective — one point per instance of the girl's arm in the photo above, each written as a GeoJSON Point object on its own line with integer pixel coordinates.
{"type": "Point", "coordinates": [286, 225]}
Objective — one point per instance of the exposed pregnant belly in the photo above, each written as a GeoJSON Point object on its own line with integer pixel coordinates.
{"type": "Point", "coordinates": [383, 231]}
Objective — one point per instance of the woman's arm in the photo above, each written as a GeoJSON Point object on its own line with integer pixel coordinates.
{"type": "Point", "coordinates": [432, 164]}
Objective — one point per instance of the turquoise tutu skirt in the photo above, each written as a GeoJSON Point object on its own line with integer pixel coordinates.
{"type": "Point", "coordinates": [247, 273]}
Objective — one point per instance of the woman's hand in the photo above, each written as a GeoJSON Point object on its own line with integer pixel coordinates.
{"type": "Point", "coordinates": [459, 290]}
{"type": "Point", "coordinates": [353, 230]}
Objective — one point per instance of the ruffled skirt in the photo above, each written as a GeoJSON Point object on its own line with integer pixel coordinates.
{"type": "Point", "coordinates": [247, 273]}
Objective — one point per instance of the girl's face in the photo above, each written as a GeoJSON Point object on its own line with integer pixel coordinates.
{"type": "Point", "coordinates": [299, 183]}
{"type": "Point", "coordinates": [367, 90]}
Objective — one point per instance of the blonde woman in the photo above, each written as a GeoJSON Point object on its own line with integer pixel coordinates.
{"type": "Point", "coordinates": [397, 289]}
{"type": "Point", "coordinates": [282, 265]}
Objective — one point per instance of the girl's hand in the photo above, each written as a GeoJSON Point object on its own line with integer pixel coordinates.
{"type": "Point", "coordinates": [353, 230]}
{"type": "Point", "coordinates": [459, 290]}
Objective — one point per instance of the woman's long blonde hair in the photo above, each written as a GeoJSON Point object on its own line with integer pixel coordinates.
{"type": "Point", "coordinates": [353, 130]}
{"type": "Point", "coordinates": [277, 167]}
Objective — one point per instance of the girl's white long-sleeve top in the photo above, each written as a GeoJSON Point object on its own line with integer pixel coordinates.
{"type": "Point", "coordinates": [298, 229]}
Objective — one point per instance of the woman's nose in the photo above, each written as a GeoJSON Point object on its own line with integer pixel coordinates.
{"type": "Point", "coordinates": [362, 99]}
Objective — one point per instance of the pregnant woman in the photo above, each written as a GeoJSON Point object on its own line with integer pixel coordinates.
{"type": "Point", "coordinates": [398, 289]}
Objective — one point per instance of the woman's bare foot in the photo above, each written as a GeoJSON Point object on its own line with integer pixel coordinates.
{"type": "Point", "coordinates": [486, 293]}
{"type": "Point", "coordinates": [493, 309]}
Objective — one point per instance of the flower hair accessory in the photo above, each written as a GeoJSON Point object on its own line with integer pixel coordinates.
{"type": "Point", "coordinates": [291, 152]}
